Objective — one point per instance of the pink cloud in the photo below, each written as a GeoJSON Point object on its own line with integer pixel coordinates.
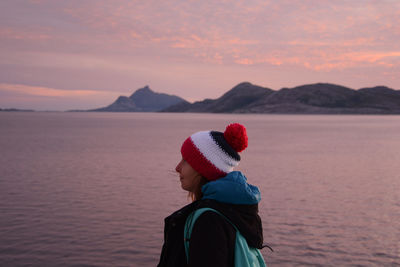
{"type": "Point", "coordinates": [23, 34]}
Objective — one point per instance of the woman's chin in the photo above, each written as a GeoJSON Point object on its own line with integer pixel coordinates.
{"type": "Point", "coordinates": [183, 186]}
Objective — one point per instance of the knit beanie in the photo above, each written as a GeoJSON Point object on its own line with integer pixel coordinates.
{"type": "Point", "coordinates": [214, 154]}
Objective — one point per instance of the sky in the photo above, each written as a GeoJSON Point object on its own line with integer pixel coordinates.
{"type": "Point", "coordinates": [83, 54]}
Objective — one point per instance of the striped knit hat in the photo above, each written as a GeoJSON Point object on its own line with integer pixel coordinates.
{"type": "Point", "coordinates": [215, 154]}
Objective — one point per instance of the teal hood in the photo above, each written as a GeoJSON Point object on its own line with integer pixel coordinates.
{"type": "Point", "coordinates": [232, 189]}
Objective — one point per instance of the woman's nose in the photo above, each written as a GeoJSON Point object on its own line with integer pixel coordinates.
{"type": "Point", "coordinates": [178, 167]}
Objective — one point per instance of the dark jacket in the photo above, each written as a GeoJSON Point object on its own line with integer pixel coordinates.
{"type": "Point", "coordinates": [213, 238]}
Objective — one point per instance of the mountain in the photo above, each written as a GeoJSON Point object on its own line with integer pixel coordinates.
{"type": "Point", "coordinates": [320, 98]}
{"type": "Point", "coordinates": [237, 98]}
{"type": "Point", "coordinates": [143, 100]}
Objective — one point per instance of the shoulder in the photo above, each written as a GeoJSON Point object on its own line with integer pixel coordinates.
{"type": "Point", "coordinates": [212, 222]}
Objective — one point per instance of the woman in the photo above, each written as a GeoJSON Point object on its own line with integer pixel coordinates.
{"type": "Point", "coordinates": [206, 172]}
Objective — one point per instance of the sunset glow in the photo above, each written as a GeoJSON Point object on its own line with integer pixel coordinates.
{"type": "Point", "coordinates": [192, 49]}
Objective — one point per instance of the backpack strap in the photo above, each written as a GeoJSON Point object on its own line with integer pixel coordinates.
{"type": "Point", "coordinates": [244, 255]}
{"type": "Point", "coordinates": [191, 219]}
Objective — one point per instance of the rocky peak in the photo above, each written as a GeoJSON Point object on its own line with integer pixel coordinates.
{"type": "Point", "coordinates": [145, 91]}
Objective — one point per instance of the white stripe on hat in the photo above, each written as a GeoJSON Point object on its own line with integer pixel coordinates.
{"type": "Point", "coordinates": [213, 152]}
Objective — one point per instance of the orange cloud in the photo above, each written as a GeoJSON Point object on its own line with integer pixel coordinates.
{"type": "Point", "coordinates": [49, 92]}
{"type": "Point", "coordinates": [244, 61]}
{"type": "Point", "coordinates": [371, 57]}
{"type": "Point", "coordinates": [327, 62]}
{"type": "Point", "coordinates": [353, 42]}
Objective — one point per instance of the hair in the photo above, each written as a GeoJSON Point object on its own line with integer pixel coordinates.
{"type": "Point", "coordinates": [197, 194]}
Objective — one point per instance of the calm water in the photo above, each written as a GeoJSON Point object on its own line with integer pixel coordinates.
{"type": "Point", "coordinates": [92, 189]}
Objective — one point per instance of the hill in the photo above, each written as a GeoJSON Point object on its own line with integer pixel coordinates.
{"type": "Point", "coordinates": [320, 98]}
{"type": "Point", "coordinates": [143, 100]}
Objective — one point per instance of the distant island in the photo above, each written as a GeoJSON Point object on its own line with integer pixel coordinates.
{"type": "Point", "coordinates": [16, 109]}
{"type": "Point", "coordinates": [319, 98]}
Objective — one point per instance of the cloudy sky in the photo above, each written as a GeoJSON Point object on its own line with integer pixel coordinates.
{"type": "Point", "coordinates": [58, 55]}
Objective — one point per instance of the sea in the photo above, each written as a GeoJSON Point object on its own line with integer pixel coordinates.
{"type": "Point", "coordinates": [93, 189]}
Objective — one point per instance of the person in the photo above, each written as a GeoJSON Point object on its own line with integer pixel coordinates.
{"type": "Point", "coordinates": [206, 172]}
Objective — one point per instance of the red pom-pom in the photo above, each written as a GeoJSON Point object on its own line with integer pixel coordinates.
{"type": "Point", "coordinates": [236, 136]}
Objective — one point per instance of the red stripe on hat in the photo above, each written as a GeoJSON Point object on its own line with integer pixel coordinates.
{"type": "Point", "coordinates": [201, 164]}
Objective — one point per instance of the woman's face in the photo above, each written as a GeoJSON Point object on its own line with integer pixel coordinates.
{"type": "Point", "coordinates": [188, 176]}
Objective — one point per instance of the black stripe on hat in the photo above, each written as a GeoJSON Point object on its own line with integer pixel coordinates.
{"type": "Point", "coordinates": [221, 142]}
